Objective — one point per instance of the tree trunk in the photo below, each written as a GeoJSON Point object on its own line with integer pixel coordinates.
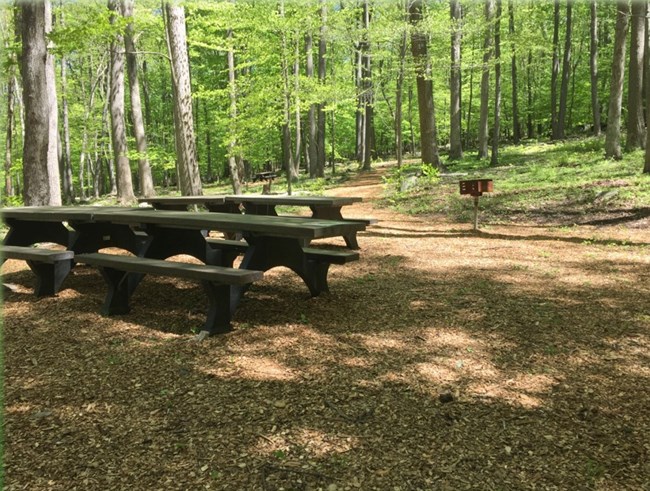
{"type": "Point", "coordinates": [187, 165]}
{"type": "Point", "coordinates": [37, 189]}
{"type": "Point", "coordinates": [398, 97]}
{"type": "Point", "coordinates": [322, 50]}
{"type": "Point", "coordinates": [11, 97]}
{"type": "Point", "coordinates": [144, 169]}
{"type": "Point", "coordinates": [530, 127]}
{"type": "Point", "coordinates": [516, 126]}
{"type": "Point", "coordinates": [232, 144]}
{"type": "Point", "coordinates": [485, 83]}
{"type": "Point", "coordinates": [368, 130]}
{"type": "Point", "coordinates": [613, 134]}
{"type": "Point", "coordinates": [468, 123]}
{"type": "Point", "coordinates": [635, 120]}
{"type": "Point", "coordinates": [125, 193]}
{"type": "Point", "coordinates": [494, 160]}
{"type": "Point", "coordinates": [455, 142]}
{"type": "Point", "coordinates": [593, 67]}
{"type": "Point", "coordinates": [296, 85]}
{"type": "Point", "coordinates": [312, 144]}
{"type": "Point", "coordinates": [54, 144]}
{"type": "Point", "coordinates": [566, 70]}
{"type": "Point", "coordinates": [426, 108]}
{"type": "Point", "coordinates": [555, 69]}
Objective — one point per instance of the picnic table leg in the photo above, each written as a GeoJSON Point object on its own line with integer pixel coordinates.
{"type": "Point", "coordinates": [266, 252]}
{"type": "Point", "coordinates": [117, 297]}
{"type": "Point", "coordinates": [218, 317]}
{"type": "Point", "coordinates": [334, 213]}
{"type": "Point", "coordinates": [49, 276]}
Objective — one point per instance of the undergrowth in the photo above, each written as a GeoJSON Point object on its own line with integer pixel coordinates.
{"type": "Point", "coordinates": [561, 182]}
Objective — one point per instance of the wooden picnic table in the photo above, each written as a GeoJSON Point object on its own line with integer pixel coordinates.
{"type": "Point", "coordinates": [159, 234]}
{"type": "Point", "coordinates": [322, 207]}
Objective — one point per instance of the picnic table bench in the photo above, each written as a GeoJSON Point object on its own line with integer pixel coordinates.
{"type": "Point", "coordinates": [50, 266]}
{"type": "Point", "coordinates": [216, 281]}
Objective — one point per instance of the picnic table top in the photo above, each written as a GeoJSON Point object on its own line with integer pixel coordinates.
{"type": "Point", "coordinates": [266, 199]}
{"type": "Point", "coordinates": [294, 227]}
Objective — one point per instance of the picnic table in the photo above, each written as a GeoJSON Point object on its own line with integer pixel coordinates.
{"type": "Point", "coordinates": [159, 234]}
{"type": "Point", "coordinates": [322, 207]}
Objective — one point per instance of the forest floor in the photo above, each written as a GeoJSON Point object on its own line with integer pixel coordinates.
{"type": "Point", "coordinates": [514, 358]}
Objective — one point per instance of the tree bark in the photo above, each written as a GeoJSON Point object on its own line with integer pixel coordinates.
{"type": "Point", "coordinates": [530, 128]}
{"type": "Point", "coordinates": [287, 150]}
{"type": "Point", "coordinates": [593, 67]}
{"type": "Point", "coordinates": [399, 88]}
{"type": "Point", "coordinates": [235, 175]}
{"type": "Point", "coordinates": [186, 162]}
{"type": "Point", "coordinates": [144, 169]}
{"type": "Point", "coordinates": [516, 126]}
{"type": "Point", "coordinates": [555, 69]}
{"type": "Point", "coordinates": [485, 82]}
{"type": "Point", "coordinates": [455, 138]}
{"type": "Point", "coordinates": [54, 143]}
{"type": "Point", "coordinates": [37, 189]}
{"type": "Point", "coordinates": [566, 70]}
{"type": "Point", "coordinates": [296, 86]}
{"type": "Point", "coordinates": [426, 108]}
{"type": "Point", "coordinates": [322, 50]}
{"type": "Point", "coordinates": [635, 120]}
{"type": "Point", "coordinates": [11, 99]}
{"type": "Point", "coordinates": [368, 133]}
{"type": "Point", "coordinates": [613, 134]}
{"type": "Point", "coordinates": [125, 193]}
{"type": "Point", "coordinates": [494, 159]}
{"type": "Point", "coordinates": [312, 144]}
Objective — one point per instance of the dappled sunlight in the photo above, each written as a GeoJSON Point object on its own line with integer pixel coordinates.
{"type": "Point", "coordinates": [253, 368]}
{"type": "Point", "coordinates": [526, 390]}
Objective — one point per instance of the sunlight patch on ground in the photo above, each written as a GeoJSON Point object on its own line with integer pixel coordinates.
{"type": "Point", "coordinates": [253, 368]}
{"type": "Point", "coordinates": [525, 390]}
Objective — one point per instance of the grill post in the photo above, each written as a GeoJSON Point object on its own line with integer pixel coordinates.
{"type": "Point", "coordinates": [476, 188]}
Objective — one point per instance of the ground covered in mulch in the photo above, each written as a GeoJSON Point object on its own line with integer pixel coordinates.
{"type": "Point", "coordinates": [515, 358]}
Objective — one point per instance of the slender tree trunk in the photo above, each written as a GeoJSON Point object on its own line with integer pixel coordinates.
{"type": "Point", "coordinates": [144, 169]}
{"type": "Point", "coordinates": [455, 139]}
{"type": "Point", "coordinates": [312, 144]}
{"type": "Point", "coordinates": [613, 134]}
{"type": "Point", "coordinates": [468, 123]}
{"type": "Point", "coordinates": [36, 155]}
{"type": "Point", "coordinates": [516, 126]}
{"type": "Point", "coordinates": [232, 145]}
{"type": "Point", "coordinates": [566, 71]}
{"type": "Point", "coordinates": [412, 133]}
{"type": "Point", "coordinates": [426, 108]}
{"type": "Point", "coordinates": [125, 193]}
{"type": "Point", "coordinates": [296, 86]}
{"type": "Point", "coordinates": [187, 165]}
{"type": "Point", "coordinates": [555, 69]}
{"type": "Point", "coordinates": [54, 143]}
{"type": "Point", "coordinates": [494, 160]}
{"type": "Point", "coordinates": [106, 133]}
{"type": "Point", "coordinates": [287, 150]}
{"type": "Point", "coordinates": [485, 82]}
{"type": "Point", "coordinates": [635, 120]}
{"type": "Point", "coordinates": [11, 97]}
{"type": "Point", "coordinates": [399, 88]}
{"type": "Point", "coordinates": [322, 50]}
{"type": "Point", "coordinates": [367, 87]}
{"type": "Point", "coordinates": [360, 114]}
{"type": "Point", "coordinates": [530, 127]}
{"type": "Point", "coordinates": [593, 67]}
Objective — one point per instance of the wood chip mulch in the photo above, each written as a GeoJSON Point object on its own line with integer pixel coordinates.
{"type": "Point", "coordinates": [515, 358]}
